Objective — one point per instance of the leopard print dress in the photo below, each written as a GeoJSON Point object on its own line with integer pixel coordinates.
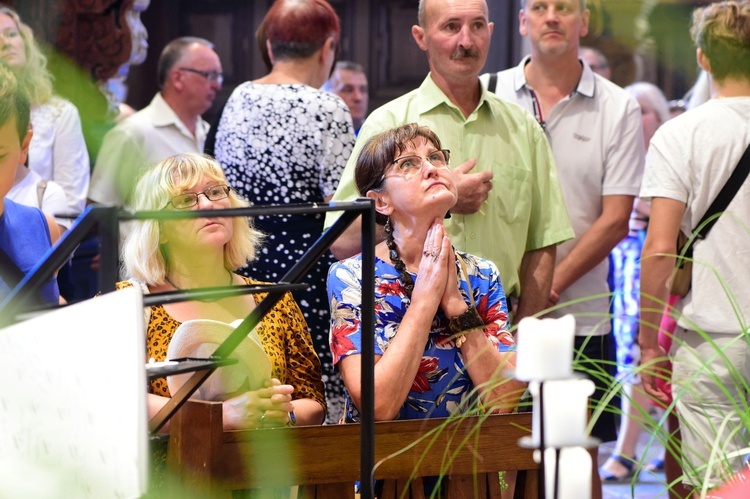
{"type": "Point", "coordinates": [282, 331]}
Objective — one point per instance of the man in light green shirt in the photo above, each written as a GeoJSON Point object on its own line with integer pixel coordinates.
{"type": "Point", "coordinates": [510, 208]}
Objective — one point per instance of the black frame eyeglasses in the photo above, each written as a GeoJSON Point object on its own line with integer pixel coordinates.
{"type": "Point", "coordinates": [190, 199]}
{"type": "Point", "coordinates": [216, 76]}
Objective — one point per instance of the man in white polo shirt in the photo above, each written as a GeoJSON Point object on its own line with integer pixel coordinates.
{"type": "Point", "coordinates": [595, 131]}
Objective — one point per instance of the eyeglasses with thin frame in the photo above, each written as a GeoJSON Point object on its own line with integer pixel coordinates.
{"type": "Point", "coordinates": [190, 199]}
{"type": "Point", "coordinates": [411, 165]}
{"type": "Point", "coordinates": [216, 76]}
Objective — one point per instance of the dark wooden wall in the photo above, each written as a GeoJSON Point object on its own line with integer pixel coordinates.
{"type": "Point", "coordinates": [375, 33]}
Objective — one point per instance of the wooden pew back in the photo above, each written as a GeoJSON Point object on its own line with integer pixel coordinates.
{"type": "Point", "coordinates": [324, 460]}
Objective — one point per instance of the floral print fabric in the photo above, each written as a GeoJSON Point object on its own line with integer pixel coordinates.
{"type": "Point", "coordinates": [442, 386]}
{"type": "Point", "coordinates": [625, 265]}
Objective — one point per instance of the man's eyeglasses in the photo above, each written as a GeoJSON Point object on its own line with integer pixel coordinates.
{"type": "Point", "coordinates": [190, 199]}
{"type": "Point", "coordinates": [409, 166]}
{"type": "Point", "coordinates": [209, 75]}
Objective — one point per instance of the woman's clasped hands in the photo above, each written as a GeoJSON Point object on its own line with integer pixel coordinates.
{"type": "Point", "coordinates": [438, 277]}
{"type": "Point", "coordinates": [267, 407]}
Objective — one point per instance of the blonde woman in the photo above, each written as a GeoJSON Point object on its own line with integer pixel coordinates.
{"type": "Point", "coordinates": [58, 150]}
{"type": "Point", "coordinates": [205, 252]}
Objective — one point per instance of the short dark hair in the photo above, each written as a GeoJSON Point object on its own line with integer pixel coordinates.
{"type": "Point", "coordinates": [173, 52]}
{"type": "Point", "coordinates": [380, 150]}
{"type": "Point", "coordinates": [14, 101]}
{"type": "Point", "coordinates": [349, 66]}
{"type": "Point", "coordinates": [298, 28]}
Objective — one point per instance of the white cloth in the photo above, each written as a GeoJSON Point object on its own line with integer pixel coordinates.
{"type": "Point", "coordinates": [54, 201]}
{"type": "Point", "coordinates": [690, 159]}
{"type": "Point", "coordinates": [139, 141]}
{"type": "Point", "coordinates": [58, 151]}
{"type": "Point", "coordinates": [597, 141]}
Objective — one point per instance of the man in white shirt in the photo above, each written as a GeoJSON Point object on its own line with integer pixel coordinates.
{"type": "Point", "coordinates": [190, 75]}
{"type": "Point", "coordinates": [595, 131]}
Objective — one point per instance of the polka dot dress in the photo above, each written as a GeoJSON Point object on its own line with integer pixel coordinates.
{"type": "Point", "coordinates": [281, 144]}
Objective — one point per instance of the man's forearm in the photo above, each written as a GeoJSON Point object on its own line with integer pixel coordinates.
{"type": "Point", "coordinates": [537, 268]}
{"type": "Point", "coordinates": [595, 244]}
{"type": "Point", "coordinates": [657, 265]}
{"type": "Point", "coordinates": [655, 272]}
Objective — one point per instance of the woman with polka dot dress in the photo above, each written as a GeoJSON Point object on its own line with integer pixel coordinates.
{"type": "Point", "coordinates": [282, 140]}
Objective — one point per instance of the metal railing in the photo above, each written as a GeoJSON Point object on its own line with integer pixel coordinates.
{"type": "Point", "coordinates": [106, 220]}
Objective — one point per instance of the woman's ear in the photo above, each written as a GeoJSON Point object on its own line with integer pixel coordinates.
{"type": "Point", "coordinates": [327, 56]}
{"type": "Point", "coordinates": [270, 52]}
{"type": "Point", "coordinates": [163, 239]}
{"type": "Point", "coordinates": [382, 204]}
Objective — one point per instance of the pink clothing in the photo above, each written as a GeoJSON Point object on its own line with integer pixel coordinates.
{"type": "Point", "coordinates": [666, 330]}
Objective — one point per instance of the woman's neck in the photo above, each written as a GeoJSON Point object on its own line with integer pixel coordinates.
{"type": "Point", "coordinates": [298, 71]}
{"type": "Point", "coordinates": [410, 243]}
{"type": "Point", "coordinates": [197, 272]}
{"type": "Point", "coordinates": [183, 281]}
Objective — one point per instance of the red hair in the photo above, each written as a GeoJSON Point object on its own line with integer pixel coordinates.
{"type": "Point", "coordinates": [298, 28]}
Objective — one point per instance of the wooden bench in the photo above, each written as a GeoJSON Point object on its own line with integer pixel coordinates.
{"type": "Point", "coordinates": [324, 460]}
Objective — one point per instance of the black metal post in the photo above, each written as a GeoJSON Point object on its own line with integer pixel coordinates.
{"type": "Point", "coordinates": [542, 483]}
{"type": "Point", "coordinates": [556, 478]}
{"type": "Point", "coordinates": [109, 243]}
{"type": "Point", "coordinates": [367, 413]}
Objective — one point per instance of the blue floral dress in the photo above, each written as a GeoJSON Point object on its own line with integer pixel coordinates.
{"type": "Point", "coordinates": [442, 386]}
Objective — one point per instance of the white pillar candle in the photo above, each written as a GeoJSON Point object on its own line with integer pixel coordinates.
{"type": "Point", "coordinates": [544, 348]}
{"type": "Point", "coordinates": [565, 412]}
{"type": "Point", "coordinates": [574, 474]}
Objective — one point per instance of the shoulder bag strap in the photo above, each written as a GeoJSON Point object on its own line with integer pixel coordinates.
{"type": "Point", "coordinates": [40, 188]}
{"type": "Point", "coordinates": [492, 84]}
{"type": "Point", "coordinates": [723, 199]}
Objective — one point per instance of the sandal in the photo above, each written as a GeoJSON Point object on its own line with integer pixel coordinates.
{"type": "Point", "coordinates": [655, 466]}
{"type": "Point", "coordinates": [627, 462]}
